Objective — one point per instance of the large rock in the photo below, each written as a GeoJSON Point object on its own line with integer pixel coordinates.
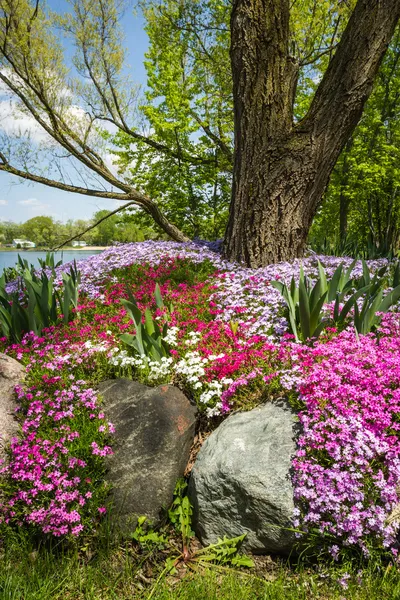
{"type": "Point", "coordinates": [241, 481]}
{"type": "Point", "coordinates": [11, 374]}
{"type": "Point", "coordinates": [154, 432]}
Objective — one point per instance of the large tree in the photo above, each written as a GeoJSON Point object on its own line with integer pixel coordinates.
{"type": "Point", "coordinates": [281, 164]}
{"type": "Point", "coordinates": [282, 168]}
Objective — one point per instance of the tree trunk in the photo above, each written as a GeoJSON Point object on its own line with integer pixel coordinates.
{"type": "Point", "coordinates": [281, 170]}
{"type": "Point", "coordinates": [271, 213]}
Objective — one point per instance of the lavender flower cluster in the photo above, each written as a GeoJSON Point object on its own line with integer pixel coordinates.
{"type": "Point", "coordinates": [242, 294]}
{"type": "Point", "coordinates": [347, 467]}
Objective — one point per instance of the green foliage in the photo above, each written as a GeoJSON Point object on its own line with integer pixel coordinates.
{"type": "Point", "coordinates": [38, 304]}
{"type": "Point", "coordinates": [305, 302]}
{"type": "Point", "coordinates": [49, 261]}
{"type": "Point", "coordinates": [223, 553]}
{"type": "Point", "coordinates": [15, 319]}
{"type": "Point", "coordinates": [118, 228]}
{"type": "Point", "coordinates": [360, 215]}
{"type": "Point", "coordinates": [188, 104]}
{"type": "Point", "coordinates": [9, 274]}
{"type": "Point", "coordinates": [191, 273]}
{"type": "Point", "coordinates": [340, 282]}
{"type": "Point", "coordinates": [148, 339]}
{"type": "Point", "coordinates": [116, 571]}
{"type": "Point", "coordinates": [181, 511]}
{"type": "Point", "coordinates": [41, 230]}
{"type": "Point", "coordinates": [68, 299]}
{"type": "Point", "coordinates": [45, 263]}
{"type": "Point", "coordinates": [368, 318]}
{"type": "Point", "coordinates": [315, 27]}
{"type": "Point", "coordinates": [185, 165]}
{"type": "Point", "coordinates": [147, 537]}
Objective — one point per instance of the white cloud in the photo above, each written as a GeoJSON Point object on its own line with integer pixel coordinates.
{"type": "Point", "coordinates": [3, 202]}
{"type": "Point", "coordinates": [16, 123]}
{"type": "Point", "coordinates": [34, 204]}
{"type": "Point", "coordinates": [29, 202]}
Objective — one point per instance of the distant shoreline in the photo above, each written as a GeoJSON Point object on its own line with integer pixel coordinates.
{"type": "Point", "coordinates": [64, 249]}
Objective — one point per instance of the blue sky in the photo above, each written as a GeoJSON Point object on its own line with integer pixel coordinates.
{"type": "Point", "coordinates": [21, 201]}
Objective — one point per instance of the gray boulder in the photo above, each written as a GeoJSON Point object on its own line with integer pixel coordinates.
{"type": "Point", "coordinates": [241, 482]}
{"type": "Point", "coordinates": [11, 374]}
{"type": "Point", "coordinates": [154, 432]}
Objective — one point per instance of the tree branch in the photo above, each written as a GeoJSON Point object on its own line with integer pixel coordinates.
{"type": "Point", "coordinates": [217, 140]}
{"type": "Point", "coordinates": [110, 214]}
{"type": "Point", "coordinates": [347, 83]}
{"type": "Point", "coordinates": [5, 166]}
{"type": "Point", "coordinates": [112, 108]}
{"type": "Point", "coordinates": [141, 200]}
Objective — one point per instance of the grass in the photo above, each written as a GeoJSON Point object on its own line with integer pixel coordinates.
{"type": "Point", "coordinates": [122, 572]}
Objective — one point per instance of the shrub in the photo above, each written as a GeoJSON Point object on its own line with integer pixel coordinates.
{"type": "Point", "coordinates": [39, 304]}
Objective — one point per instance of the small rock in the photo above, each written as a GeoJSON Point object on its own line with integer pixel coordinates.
{"type": "Point", "coordinates": [11, 374]}
{"type": "Point", "coordinates": [240, 482]}
{"type": "Point", "coordinates": [154, 432]}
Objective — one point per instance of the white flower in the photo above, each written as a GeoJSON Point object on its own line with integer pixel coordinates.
{"type": "Point", "coordinates": [171, 336]}
{"type": "Point", "coordinates": [215, 411]}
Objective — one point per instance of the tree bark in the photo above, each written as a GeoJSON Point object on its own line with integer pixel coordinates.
{"type": "Point", "coordinates": [281, 170]}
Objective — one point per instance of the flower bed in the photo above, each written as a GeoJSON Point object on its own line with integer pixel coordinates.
{"type": "Point", "coordinates": [229, 349]}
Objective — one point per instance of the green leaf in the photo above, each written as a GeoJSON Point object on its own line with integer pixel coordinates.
{"type": "Point", "coordinates": [368, 316]}
{"type": "Point", "coordinates": [132, 310]}
{"type": "Point", "coordinates": [350, 302]}
{"type": "Point", "coordinates": [294, 292]}
{"type": "Point", "coordinates": [127, 338]}
{"type": "Point", "coordinates": [139, 339]}
{"type": "Point", "coordinates": [277, 285]}
{"type": "Point", "coordinates": [315, 295]}
{"type": "Point", "coordinates": [304, 310]}
{"type": "Point", "coordinates": [322, 277]}
{"type": "Point", "coordinates": [149, 323]}
{"type": "Point", "coordinates": [333, 285]}
{"type": "Point", "coordinates": [357, 320]}
{"type": "Point", "coordinates": [242, 560]}
{"type": "Point", "coordinates": [319, 329]}
{"type": "Point", "coordinates": [396, 275]}
{"type": "Point", "coordinates": [366, 273]}
{"type": "Point", "coordinates": [315, 316]}
{"type": "Point", "coordinates": [159, 300]}
{"type": "Point", "coordinates": [390, 299]}
{"type": "Point", "coordinates": [347, 275]}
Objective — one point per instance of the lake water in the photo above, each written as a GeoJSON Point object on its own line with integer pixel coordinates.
{"type": "Point", "coordinates": [9, 259]}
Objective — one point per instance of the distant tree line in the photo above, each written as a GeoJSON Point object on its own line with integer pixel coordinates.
{"type": "Point", "coordinates": [48, 233]}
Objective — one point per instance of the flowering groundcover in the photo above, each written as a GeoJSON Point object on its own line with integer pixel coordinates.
{"type": "Point", "coordinates": [229, 349]}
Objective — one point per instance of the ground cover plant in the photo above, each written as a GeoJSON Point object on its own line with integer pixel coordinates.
{"type": "Point", "coordinates": [227, 342]}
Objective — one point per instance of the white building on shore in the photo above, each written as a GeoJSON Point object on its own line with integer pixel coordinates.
{"type": "Point", "coordinates": [23, 244]}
